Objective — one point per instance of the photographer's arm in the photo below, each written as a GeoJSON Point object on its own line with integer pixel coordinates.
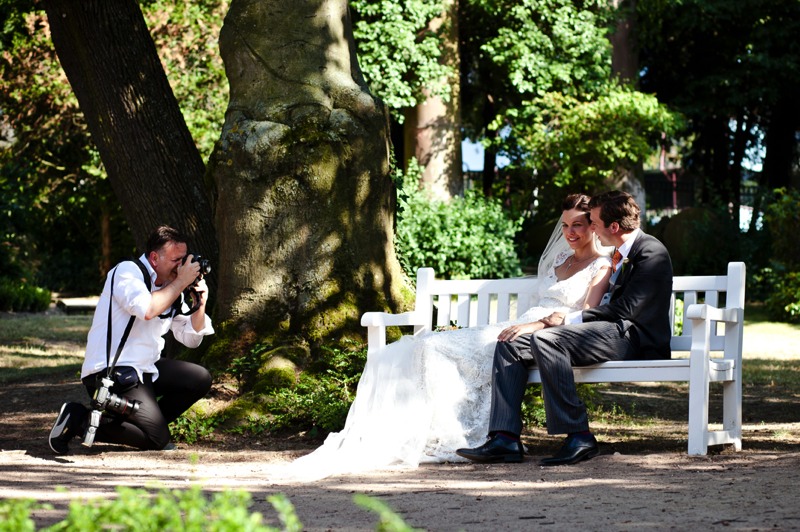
{"type": "Point", "coordinates": [199, 317]}
{"type": "Point", "coordinates": [161, 300]}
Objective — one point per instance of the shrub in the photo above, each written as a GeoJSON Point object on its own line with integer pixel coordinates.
{"type": "Point", "coordinates": [320, 397]}
{"type": "Point", "coordinates": [469, 237]}
{"type": "Point", "coordinates": [138, 509]}
{"type": "Point", "coordinates": [18, 296]}
{"type": "Point", "coordinates": [783, 304]}
{"type": "Point", "coordinates": [781, 280]}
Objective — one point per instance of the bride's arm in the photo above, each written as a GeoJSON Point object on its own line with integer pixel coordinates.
{"type": "Point", "coordinates": [597, 287]}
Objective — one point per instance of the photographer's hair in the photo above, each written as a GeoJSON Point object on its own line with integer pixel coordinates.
{"type": "Point", "coordinates": [617, 206]}
{"type": "Point", "coordinates": [577, 201]}
{"type": "Point", "coordinates": [163, 234]}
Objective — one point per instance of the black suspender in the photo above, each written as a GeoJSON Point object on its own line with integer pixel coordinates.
{"type": "Point", "coordinates": [110, 366]}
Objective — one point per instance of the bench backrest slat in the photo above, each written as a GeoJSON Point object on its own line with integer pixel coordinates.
{"type": "Point", "coordinates": [475, 302]}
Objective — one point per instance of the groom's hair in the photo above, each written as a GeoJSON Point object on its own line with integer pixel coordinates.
{"type": "Point", "coordinates": [617, 206]}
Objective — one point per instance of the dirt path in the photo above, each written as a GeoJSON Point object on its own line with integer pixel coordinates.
{"type": "Point", "coordinates": [642, 478]}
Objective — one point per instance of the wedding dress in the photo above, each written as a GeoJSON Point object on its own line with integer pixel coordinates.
{"type": "Point", "coordinates": [423, 397]}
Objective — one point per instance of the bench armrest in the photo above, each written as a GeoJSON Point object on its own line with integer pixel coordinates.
{"type": "Point", "coordinates": [703, 311]}
{"type": "Point", "coordinates": [376, 323]}
{"type": "Point", "coordinates": [387, 319]}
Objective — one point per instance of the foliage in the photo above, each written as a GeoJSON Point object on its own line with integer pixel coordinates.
{"type": "Point", "coordinates": [585, 144]}
{"type": "Point", "coordinates": [470, 237]}
{"type": "Point", "coordinates": [731, 84]}
{"type": "Point", "coordinates": [783, 304]}
{"type": "Point", "coordinates": [782, 218]}
{"type": "Point", "coordinates": [15, 515]}
{"type": "Point", "coordinates": [54, 193]}
{"type": "Point", "coordinates": [19, 296]}
{"type": "Point", "coordinates": [533, 412]}
{"type": "Point", "coordinates": [320, 398]}
{"type": "Point", "coordinates": [399, 54]}
{"type": "Point", "coordinates": [193, 425]}
{"type": "Point", "coordinates": [389, 521]}
{"type": "Point", "coordinates": [779, 282]}
{"type": "Point", "coordinates": [138, 509]}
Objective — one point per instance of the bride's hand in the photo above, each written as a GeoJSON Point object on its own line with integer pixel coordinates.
{"type": "Point", "coordinates": [513, 332]}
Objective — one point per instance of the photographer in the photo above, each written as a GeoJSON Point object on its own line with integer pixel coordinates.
{"type": "Point", "coordinates": [148, 391]}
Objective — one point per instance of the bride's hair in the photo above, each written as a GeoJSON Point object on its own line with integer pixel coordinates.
{"type": "Point", "coordinates": [557, 243]}
{"type": "Point", "coordinates": [576, 201]}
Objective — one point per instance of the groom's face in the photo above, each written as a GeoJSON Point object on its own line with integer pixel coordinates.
{"type": "Point", "coordinates": [606, 235]}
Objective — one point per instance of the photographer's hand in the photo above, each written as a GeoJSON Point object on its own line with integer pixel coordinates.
{"type": "Point", "coordinates": [185, 274]}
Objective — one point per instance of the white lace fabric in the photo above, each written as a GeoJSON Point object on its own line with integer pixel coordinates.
{"type": "Point", "coordinates": [423, 397]}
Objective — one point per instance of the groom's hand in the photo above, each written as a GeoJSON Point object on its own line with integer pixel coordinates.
{"type": "Point", "coordinates": [554, 320]}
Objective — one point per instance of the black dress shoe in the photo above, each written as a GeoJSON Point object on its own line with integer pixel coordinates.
{"type": "Point", "coordinates": [494, 450]}
{"type": "Point", "coordinates": [575, 449]}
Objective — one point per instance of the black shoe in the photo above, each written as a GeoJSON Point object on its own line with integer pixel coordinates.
{"type": "Point", "coordinates": [494, 450]}
{"type": "Point", "coordinates": [575, 449]}
{"type": "Point", "coordinates": [69, 423]}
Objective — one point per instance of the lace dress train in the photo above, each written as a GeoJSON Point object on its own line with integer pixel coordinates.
{"type": "Point", "coordinates": [423, 397]}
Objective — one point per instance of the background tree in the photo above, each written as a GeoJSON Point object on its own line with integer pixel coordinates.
{"type": "Point", "coordinates": [732, 69]}
{"type": "Point", "coordinates": [151, 159]}
{"type": "Point", "coordinates": [304, 201]}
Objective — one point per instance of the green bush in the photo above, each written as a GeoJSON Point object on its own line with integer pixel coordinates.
{"type": "Point", "coordinates": [781, 280]}
{"type": "Point", "coordinates": [784, 302]}
{"type": "Point", "coordinates": [320, 398]}
{"type": "Point", "coordinates": [469, 237]}
{"type": "Point", "coordinates": [176, 510]}
{"type": "Point", "coordinates": [18, 296]}
{"type": "Point", "coordinates": [782, 218]}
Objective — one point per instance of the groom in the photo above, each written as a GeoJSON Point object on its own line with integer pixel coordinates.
{"type": "Point", "coordinates": [632, 322]}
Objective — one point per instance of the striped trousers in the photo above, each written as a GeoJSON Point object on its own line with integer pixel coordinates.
{"type": "Point", "coordinates": [554, 351]}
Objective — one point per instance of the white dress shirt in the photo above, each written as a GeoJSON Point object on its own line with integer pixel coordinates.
{"type": "Point", "coordinates": [145, 342]}
{"type": "Point", "coordinates": [624, 249]}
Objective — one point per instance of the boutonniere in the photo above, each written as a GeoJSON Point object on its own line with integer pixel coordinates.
{"type": "Point", "coordinates": [625, 262]}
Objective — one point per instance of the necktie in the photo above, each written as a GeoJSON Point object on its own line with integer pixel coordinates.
{"type": "Point", "coordinates": [615, 259]}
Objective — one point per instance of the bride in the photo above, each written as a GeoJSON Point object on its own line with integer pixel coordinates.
{"type": "Point", "coordinates": [423, 397]}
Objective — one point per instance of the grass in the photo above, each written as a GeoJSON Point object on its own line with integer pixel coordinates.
{"type": "Point", "coordinates": [37, 345]}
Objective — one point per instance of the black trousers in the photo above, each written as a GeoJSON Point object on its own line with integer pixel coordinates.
{"type": "Point", "coordinates": [554, 351]}
{"type": "Point", "coordinates": [179, 385]}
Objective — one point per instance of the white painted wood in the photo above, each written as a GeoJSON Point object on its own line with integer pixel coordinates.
{"type": "Point", "coordinates": [712, 336]}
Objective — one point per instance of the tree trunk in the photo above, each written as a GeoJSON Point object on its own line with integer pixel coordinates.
{"type": "Point", "coordinates": [152, 162]}
{"type": "Point", "coordinates": [305, 205]}
{"type": "Point", "coordinates": [624, 56]}
{"type": "Point", "coordinates": [434, 126]}
{"type": "Point", "coordinates": [781, 143]}
{"type": "Point", "coordinates": [625, 65]}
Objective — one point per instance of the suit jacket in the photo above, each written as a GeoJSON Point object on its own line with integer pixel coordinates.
{"type": "Point", "coordinates": [641, 297]}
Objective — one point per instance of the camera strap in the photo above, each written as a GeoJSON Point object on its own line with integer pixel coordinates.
{"type": "Point", "coordinates": [110, 366]}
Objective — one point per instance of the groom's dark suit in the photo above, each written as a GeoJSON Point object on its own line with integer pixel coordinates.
{"type": "Point", "coordinates": [634, 324]}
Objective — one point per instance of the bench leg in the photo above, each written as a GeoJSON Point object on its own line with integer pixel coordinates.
{"type": "Point", "coordinates": [698, 416]}
{"type": "Point", "coordinates": [732, 411]}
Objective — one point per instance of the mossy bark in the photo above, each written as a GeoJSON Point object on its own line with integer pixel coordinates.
{"type": "Point", "coordinates": [304, 203]}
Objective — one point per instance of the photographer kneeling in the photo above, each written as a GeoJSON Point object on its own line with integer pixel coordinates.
{"type": "Point", "coordinates": [135, 402]}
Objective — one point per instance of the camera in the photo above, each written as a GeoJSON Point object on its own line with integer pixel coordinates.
{"type": "Point", "coordinates": [205, 264]}
{"type": "Point", "coordinates": [105, 400]}
{"type": "Point", "coordinates": [190, 294]}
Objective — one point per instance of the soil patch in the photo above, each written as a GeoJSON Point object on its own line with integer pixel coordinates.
{"type": "Point", "coordinates": [643, 477]}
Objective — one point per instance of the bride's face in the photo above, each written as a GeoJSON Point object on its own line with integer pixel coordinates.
{"type": "Point", "coordinates": [576, 228]}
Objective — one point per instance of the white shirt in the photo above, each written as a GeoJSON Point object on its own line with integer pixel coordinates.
{"type": "Point", "coordinates": [144, 344]}
{"type": "Point", "coordinates": [624, 249]}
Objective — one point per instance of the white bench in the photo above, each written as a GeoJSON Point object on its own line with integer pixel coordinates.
{"type": "Point", "coordinates": [714, 350]}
